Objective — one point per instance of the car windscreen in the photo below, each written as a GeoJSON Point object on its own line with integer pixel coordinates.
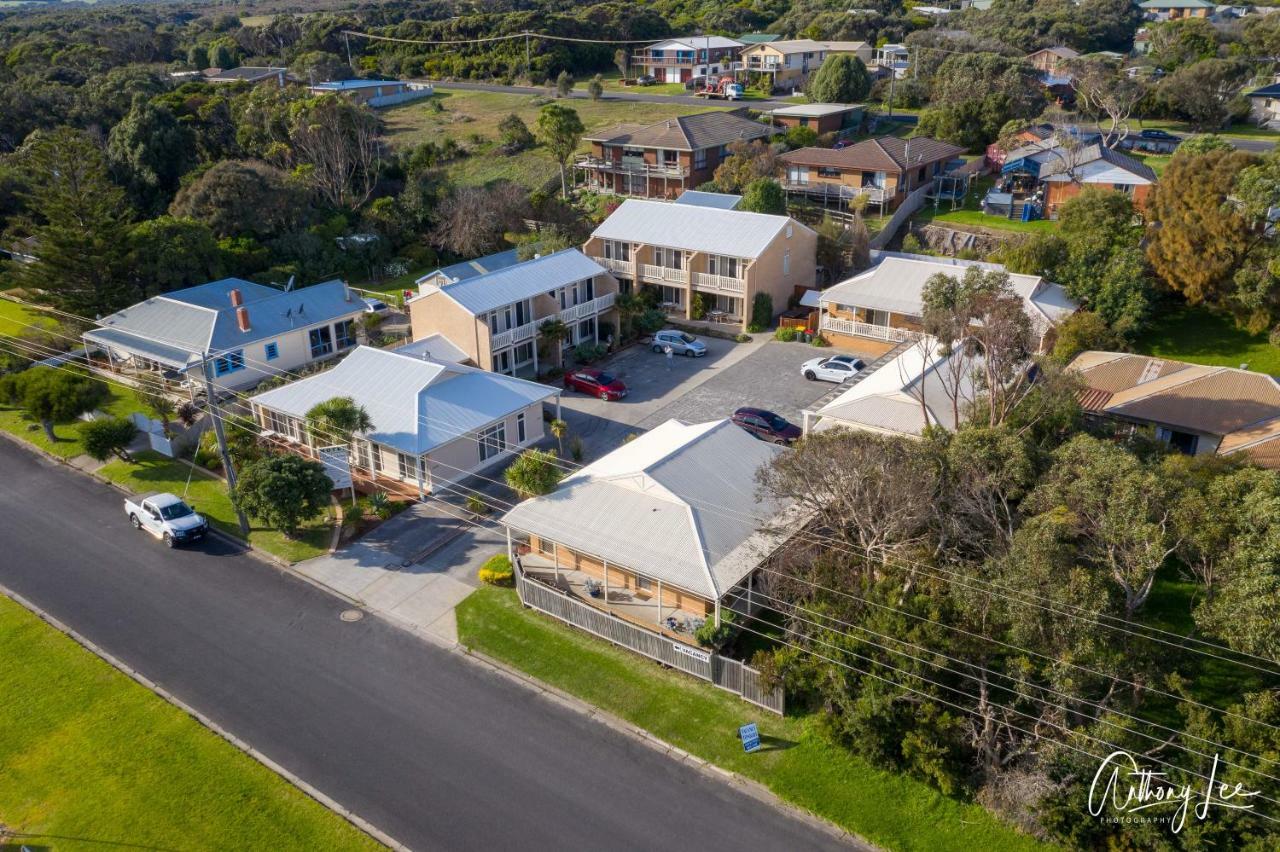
{"type": "Point", "coordinates": [687, 338]}
{"type": "Point", "coordinates": [775, 422]}
{"type": "Point", "coordinates": [174, 511]}
{"type": "Point", "coordinates": [603, 379]}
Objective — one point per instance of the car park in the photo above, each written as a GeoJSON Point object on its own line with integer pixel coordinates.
{"type": "Point", "coordinates": [681, 343]}
{"type": "Point", "coordinates": [167, 518]}
{"type": "Point", "coordinates": [837, 368]}
{"type": "Point", "coordinates": [766, 425]}
{"type": "Point", "coordinates": [596, 383]}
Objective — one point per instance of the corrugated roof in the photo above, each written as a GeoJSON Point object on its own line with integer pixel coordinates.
{"type": "Point", "coordinates": [434, 347]}
{"type": "Point", "coordinates": [1053, 165]}
{"type": "Point", "coordinates": [348, 85]}
{"type": "Point", "coordinates": [687, 132]}
{"type": "Point", "coordinates": [883, 154]}
{"type": "Point", "coordinates": [815, 110]}
{"type": "Point", "coordinates": [695, 43]}
{"type": "Point", "coordinates": [896, 283]}
{"type": "Point", "coordinates": [717, 200]}
{"type": "Point", "coordinates": [522, 281]}
{"type": "Point", "coordinates": [246, 73]}
{"type": "Point", "coordinates": [735, 233]}
{"type": "Point", "coordinates": [805, 45]}
{"type": "Point", "coordinates": [678, 504]}
{"type": "Point", "coordinates": [478, 266]}
{"type": "Point", "coordinates": [416, 405]}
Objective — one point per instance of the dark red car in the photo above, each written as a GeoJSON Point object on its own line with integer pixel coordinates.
{"type": "Point", "coordinates": [596, 383]}
{"type": "Point", "coordinates": [766, 425]}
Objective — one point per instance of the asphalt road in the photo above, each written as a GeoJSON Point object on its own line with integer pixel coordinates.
{"type": "Point", "coordinates": [434, 750]}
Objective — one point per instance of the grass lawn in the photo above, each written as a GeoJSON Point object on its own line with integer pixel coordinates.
{"type": "Point", "coordinates": [970, 215]}
{"type": "Point", "coordinates": [1201, 337]}
{"type": "Point", "coordinates": [93, 760]}
{"type": "Point", "coordinates": [797, 763]}
{"type": "Point", "coordinates": [1157, 162]}
{"type": "Point", "coordinates": [15, 317]}
{"type": "Point", "coordinates": [472, 118]}
{"type": "Point", "coordinates": [121, 402]}
{"type": "Point", "coordinates": [153, 472]}
{"type": "Point", "coordinates": [1238, 131]}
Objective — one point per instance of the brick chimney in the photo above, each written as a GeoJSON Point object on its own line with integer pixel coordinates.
{"type": "Point", "coordinates": [236, 299]}
{"type": "Point", "coordinates": [242, 316]}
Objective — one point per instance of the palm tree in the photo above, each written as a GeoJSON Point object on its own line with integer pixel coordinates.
{"type": "Point", "coordinates": [339, 419]}
{"type": "Point", "coordinates": [558, 429]}
{"type": "Point", "coordinates": [629, 307]}
{"type": "Point", "coordinates": [550, 335]}
{"type": "Point", "coordinates": [533, 473]}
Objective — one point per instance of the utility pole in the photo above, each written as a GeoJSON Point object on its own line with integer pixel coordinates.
{"type": "Point", "coordinates": [216, 414]}
{"type": "Point", "coordinates": [528, 68]}
{"type": "Point", "coordinates": [893, 77]}
{"type": "Point", "coordinates": [347, 39]}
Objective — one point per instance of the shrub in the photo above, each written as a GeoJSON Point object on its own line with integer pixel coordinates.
{"type": "Point", "coordinates": [107, 436]}
{"type": "Point", "coordinates": [698, 306]}
{"type": "Point", "coordinates": [380, 504]}
{"type": "Point", "coordinates": [709, 635]}
{"type": "Point", "coordinates": [743, 338]}
{"type": "Point", "coordinates": [650, 321]}
{"type": "Point", "coordinates": [786, 334]}
{"type": "Point", "coordinates": [801, 137]}
{"type": "Point", "coordinates": [754, 328]}
{"type": "Point", "coordinates": [819, 341]}
{"type": "Point", "coordinates": [587, 353]}
{"type": "Point", "coordinates": [497, 571]}
{"type": "Point", "coordinates": [762, 310]}
{"type": "Point", "coordinates": [477, 506]}
{"type": "Point", "coordinates": [576, 449]}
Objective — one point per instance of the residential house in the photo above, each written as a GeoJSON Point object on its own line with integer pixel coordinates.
{"type": "Point", "coordinates": [788, 64]}
{"type": "Point", "coordinates": [494, 317]}
{"type": "Point", "coordinates": [886, 302]}
{"type": "Point", "coordinates": [823, 118]}
{"type": "Point", "coordinates": [885, 169]}
{"type": "Point", "coordinates": [664, 532]}
{"type": "Point", "coordinates": [921, 386]}
{"type": "Point", "coordinates": [664, 159]}
{"type": "Point", "coordinates": [1176, 10]}
{"type": "Point", "coordinates": [680, 60]}
{"type": "Point", "coordinates": [375, 93]}
{"type": "Point", "coordinates": [252, 74]}
{"type": "Point", "coordinates": [758, 38]}
{"type": "Point", "coordinates": [1264, 104]}
{"type": "Point", "coordinates": [1052, 61]}
{"type": "Point", "coordinates": [433, 422]}
{"type": "Point", "coordinates": [1048, 174]}
{"type": "Point", "coordinates": [696, 255]}
{"type": "Point", "coordinates": [892, 59]}
{"type": "Point", "coordinates": [1193, 408]}
{"type": "Point", "coordinates": [470, 268]}
{"type": "Point", "coordinates": [242, 330]}
{"type": "Point", "coordinates": [717, 200]}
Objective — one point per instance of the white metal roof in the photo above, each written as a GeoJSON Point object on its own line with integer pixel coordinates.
{"type": "Point", "coordinates": [522, 281]}
{"type": "Point", "coordinates": [896, 283]}
{"type": "Point", "coordinates": [735, 233]}
{"type": "Point", "coordinates": [416, 405]}
{"type": "Point", "coordinates": [916, 389]}
{"type": "Point", "coordinates": [695, 43]}
{"type": "Point", "coordinates": [718, 200]}
{"type": "Point", "coordinates": [434, 347]}
{"type": "Point", "coordinates": [678, 504]}
{"type": "Point", "coordinates": [815, 110]}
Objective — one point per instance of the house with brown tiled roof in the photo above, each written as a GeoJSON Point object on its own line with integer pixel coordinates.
{"type": "Point", "coordinates": [662, 160]}
{"type": "Point", "coordinates": [884, 169]}
{"type": "Point", "coordinates": [1194, 408]}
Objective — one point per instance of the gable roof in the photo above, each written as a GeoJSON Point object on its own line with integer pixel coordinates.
{"type": "Point", "coordinates": [758, 38]}
{"type": "Point", "coordinates": [1177, 4]}
{"type": "Point", "coordinates": [677, 504]}
{"type": "Point", "coordinates": [1241, 407]}
{"type": "Point", "coordinates": [815, 110]}
{"type": "Point", "coordinates": [246, 73]}
{"type": "Point", "coordinates": [805, 45]}
{"type": "Point", "coordinates": [883, 154]}
{"type": "Point", "coordinates": [349, 85]}
{"type": "Point", "coordinates": [910, 392]}
{"type": "Point", "coordinates": [735, 233]}
{"type": "Point", "coordinates": [478, 266]}
{"type": "Point", "coordinates": [415, 404]}
{"type": "Point", "coordinates": [1272, 91]}
{"type": "Point", "coordinates": [695, 43]}
{"type": "Point", "coordinates": [520, 281]}
{"type": "Point", "coordinates": [1051, 165]}
{"type": "Point", "coordinates": [896, 283]}
{"type": "Point", "coordinates": [1060, 51]}
{"type": "Point", "coordinates": [718, 200]}
{"type": "Point", "coordinates": [686, 132]}
{"type": "Point", "coordinates": [184, 324]}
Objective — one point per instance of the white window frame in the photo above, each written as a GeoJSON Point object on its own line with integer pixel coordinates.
{"type": "Point", "coordinates": [492, 441]}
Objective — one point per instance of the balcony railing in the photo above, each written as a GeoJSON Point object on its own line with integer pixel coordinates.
{"type": "Point", "coordinates": [650, 169]}
{"type": "Point", "coordinates": [617, 267]}
{"type": "Point", "coordinates": [863, 329]}
{"type": "Point", "coordinates": [512, 336]}
{"type": "Point", "coordinates": [718, 283]}
{"type": "Point", "coordinates": [586, 309]}
{"type": "Point", "coordinates": [842, 191]}
{"type": "Point", "coordinates": [665, 274]}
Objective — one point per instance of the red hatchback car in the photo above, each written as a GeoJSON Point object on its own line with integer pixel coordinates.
{"type": "Point", "coordinates": [596, 383]}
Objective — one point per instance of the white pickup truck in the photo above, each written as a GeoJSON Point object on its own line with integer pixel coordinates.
{"type": "Point", "coordinates": [166, 517]}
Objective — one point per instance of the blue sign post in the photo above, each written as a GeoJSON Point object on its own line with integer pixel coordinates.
{"type": "Point", "coordinates": [750, 736]}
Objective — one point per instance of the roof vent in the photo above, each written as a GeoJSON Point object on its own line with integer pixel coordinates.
{"type": "Point", "coordinates": [236, 299]}
{"type": "Point", "coordinates": [242, 317]}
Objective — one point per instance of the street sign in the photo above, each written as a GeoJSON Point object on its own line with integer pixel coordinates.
{"type": "Point", "coordinates": [750, 736]}
{"type": "Point", "coordinates": [337, 465]}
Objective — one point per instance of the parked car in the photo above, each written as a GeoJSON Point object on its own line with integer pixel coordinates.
{"type": "Point", "coordinates": [376, 306]}
{"type": "Point", "coordinates": [680, 342]}
{"type": "Point", "coordinates": [596, 383]}
{"type": "Point", "coordinates": [167, 518]}
{"type": "Point", "coordinates": [766, 425]}
{"type": "Point", "coordinates": [836, 368]}
{"type": "Point", "coordinates": [646, 80]}
{"type": "Point", "coordinates": [1164, 135]}
{"type": "Point", "coordinates": [841, 144]}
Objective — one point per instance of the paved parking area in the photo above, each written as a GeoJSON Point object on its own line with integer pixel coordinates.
{"type": "Point", "coordinates": [764, 373]}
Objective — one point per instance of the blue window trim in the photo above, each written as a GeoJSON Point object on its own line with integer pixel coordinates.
{"type": "Point", "coordinates": [229, 362]}
{"type": "Point", "coordinates": [272, 351]}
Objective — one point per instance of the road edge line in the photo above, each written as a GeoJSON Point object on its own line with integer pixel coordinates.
{"type": "Point", "coordinates": [308, 789]}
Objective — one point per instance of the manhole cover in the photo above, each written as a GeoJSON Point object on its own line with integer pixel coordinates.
{"type": "Point", "coordinates": [351, 615]}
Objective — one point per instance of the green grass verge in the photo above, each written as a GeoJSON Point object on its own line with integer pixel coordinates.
{"type": "Point", "coordinates": [121, 402]}
{"type": "Point", "coordinates": [970, 214]}
{"type": "Point", "coordinates": [1235, 131]}
{"type": "Point", "coordinates": [1200, 336]}
{"type": "Point", "coordinates": [92, 760]}
{"type": "Point", "coordinates": [153, 472]}
{"type": "Point", "coordinates": [15, 317]}
{"type": "Point", "coordinates": [797, 763]}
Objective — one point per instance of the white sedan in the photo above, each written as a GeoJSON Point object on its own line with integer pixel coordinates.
{"type": "Point", "coordinates": [837, 368]}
